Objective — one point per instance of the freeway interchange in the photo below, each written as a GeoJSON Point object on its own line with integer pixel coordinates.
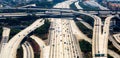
{"type": "Point", "coordinates": [63, 36]}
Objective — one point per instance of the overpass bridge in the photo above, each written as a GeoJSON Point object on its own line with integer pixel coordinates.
{"type": "Point", "coordinates": [96, 12]}
{"type": "Point", "coordinates": [40, 15]}
{"type": "Point", "coordinates": [103, 12]}
{"type": "Point", "coordinates": [53, 13]}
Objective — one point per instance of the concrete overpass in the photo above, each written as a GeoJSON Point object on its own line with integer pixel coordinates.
{"type": "Point", "coordinates": [63, 44]}
{"type": "Point", "coordinates": [27, 50]}
{"type": "Point", "coordinates": [11, 48]}
{"type": "Point", "coordinates": [46, 14]}
{"type": "Point", "coordinates": [117, 37]}
{"type": "Point", "coordinates": [56, 44]}
{"type": "Point", "coordinates": [58, 11]}
{"type": "Point", "coordinates": [42, 46]}
{"type": "Point", "coordinates": [5, 38]}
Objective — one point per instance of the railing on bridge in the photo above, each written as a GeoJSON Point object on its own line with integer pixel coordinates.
{"type": "Point", "coordinates": [101, 12]}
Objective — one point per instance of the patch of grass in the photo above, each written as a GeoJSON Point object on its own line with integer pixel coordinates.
{"type": "Point", "coordinates": [84, 29]}
{"type": "Point", "coordinates": [43, 30]}
{"type": "Point", "coordinates": [85, 46]}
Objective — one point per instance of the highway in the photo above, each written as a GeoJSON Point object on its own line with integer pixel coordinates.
{"type": "Point", "coordinates": [27, 50]}
{"type": "Point", "coordinates": [94, 4]}
{"type": "Point", "coordinates": [39, 9]}
{"type": "Point", "coordinates": [5, 37]}
{"type": "Point", "coordinates": [41, 14]}
{"type": "Point", "coordinates": [13, 14]}
{"type": "Point", "coordinates": [30, 50]}
{"type": "Point", "coordinates": [24, 51]}
{"type": "Point", "coordinates": [105, 37]}
{"type": "Point", "coordinates": [11, 48]}
{"type": "Point", "coordinates": [105, 34]}
{"type": "Point", "coordinates": [114, 42]}
{"type": "Point", "coordinates": [97, 42]}
{"type": "Point", "coordinates": [42, 46]}
{"type": "Point", "coordinates": [77, 5]}
{"type": "Point", "coordinates": [63, 44]}
{"type": "Point", "coordinates": [96, 39]}
{"type": "Point", "coordinates": [110, 52]}
{"type": "Point", "coordinates": [117, 37]}
{"type": "Point", "coordinates": [63, 37]}
{"type": "Point", "coordinates": [29, 5]}
{"type": "Point", "coordinates": [55, 13]}
{"type": "Point", "coordinates": [113, 54]}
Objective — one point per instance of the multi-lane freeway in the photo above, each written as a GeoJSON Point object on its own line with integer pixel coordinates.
{"type": "Point", "coordinates": [63, 44]}
{"type": "Point", "coordinates": [63, 36]}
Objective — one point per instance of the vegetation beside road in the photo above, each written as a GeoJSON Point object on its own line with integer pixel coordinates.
{"type": "Point", "coordinates": [86, 48]}
{"type": "Point", "coordinates": [20, 52]}
{"type": "Point", "coordinates": [43, 30]}
{"type": "Point", "coordinates": [84, 29]}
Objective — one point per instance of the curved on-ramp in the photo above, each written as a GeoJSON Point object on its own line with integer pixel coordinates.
{"type": "Point", "coordinates": [11, 47]}
{"type": "Point", "coordinates": [5, 37]}
{"type": "Point", "coordinates": [27, 50]}
{"type": "Point", "coordinates": [115, 44]}
{"type": "Point", "coordinates": [117, 37]}
{"type": "Point", "coordinates": [41, 44]}
{"type": "Point", "coordinates": [110, 52]}
{"type": "Point", "coordinates": [96, 40]}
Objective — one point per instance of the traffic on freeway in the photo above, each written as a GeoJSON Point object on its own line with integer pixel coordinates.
{"type": "Point", "coordinates": [59, 31]}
